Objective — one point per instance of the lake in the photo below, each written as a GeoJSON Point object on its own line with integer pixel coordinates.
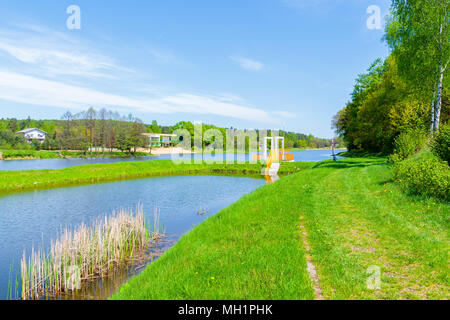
{"type": "Point", "coordinates": [35, 217]}
{"type": "Point", "coordinates": [18, 165]}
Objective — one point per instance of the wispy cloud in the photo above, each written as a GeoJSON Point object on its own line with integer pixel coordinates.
{"type": "Point", "coordinates": [284, 114]}
{"type": "Point", "coordinates": [162, 56]}
{"type": "Point", "coordinates": [53, 54]}
{"type": "Point", "coordinates": [31, 90]}
{"type": "Point", "coordinates": [54, 62]}
{"type": "Point", "coordinates": [248, 64]}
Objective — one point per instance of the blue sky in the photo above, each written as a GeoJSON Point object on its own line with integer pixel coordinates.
{"type": "Point", "coordinates": [279, 64]}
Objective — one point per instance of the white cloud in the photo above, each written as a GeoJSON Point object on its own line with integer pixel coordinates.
{"type": "Point", "coordinates": [54, 62]}
{"type": "Point", "coordinates": [248, 64]}
{"type": "Point", "coordinates": [35, 91]}
{"type": "Point", "coordinates": [53, 54]}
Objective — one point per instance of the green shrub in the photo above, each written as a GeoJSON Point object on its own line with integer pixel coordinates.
{"type": "Point", "coordinates": [9, 154]}
{"type": "Point", "coordinates": [408, 144]}
{"type": "Point", "coordinates": [424, 175]}
{"type": "Point", "coordinates": [36, 144]}
{"type": "Point", "coordinates": [441, 143]}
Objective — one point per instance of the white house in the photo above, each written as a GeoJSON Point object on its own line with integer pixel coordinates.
{"type": "Point", "coordinates": [33, 134]}
{"type": "Point", "coordinates": [161, 140]}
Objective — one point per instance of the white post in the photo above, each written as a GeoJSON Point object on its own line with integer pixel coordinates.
{"type": "Point", "coordinates": [265, 148]}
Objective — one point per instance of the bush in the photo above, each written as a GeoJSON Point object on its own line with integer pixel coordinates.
{"type": "Point", "coordinates": [441, 143]}
{"type": "Point", "coordinates": [425, 175]}
{"type": "Point", "coordinates": [36, 144]}
{"type": "Point", "coordinates": [408, 144]}
{"type": "Point", "coordinates": [9, 154]}
{"type": "Point", "coordinates": [10, 139]}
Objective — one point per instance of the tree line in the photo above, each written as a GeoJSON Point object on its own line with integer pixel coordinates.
{"type": "Point", "coordinates": [410, 89]}
{"type": "Point", "coordinates": [105, 131]}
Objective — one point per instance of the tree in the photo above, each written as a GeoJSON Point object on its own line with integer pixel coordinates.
{"type": "Point", "coordinates": [418, 34]}
{"type": "Point", "coordinates": [102, 128]}
{"type": "Point", "coordinates": [68, 119]}
{"type": "Point", "coordinates": [382, 106]}
{"type": "Point", "coordinates": [13, 126]}
{"type": "Point", "coordinates": [154, 127]}
{"type": "Point", "coordinates": [36, 144]}
{"type": "Point", "coordinates": [90, 122]}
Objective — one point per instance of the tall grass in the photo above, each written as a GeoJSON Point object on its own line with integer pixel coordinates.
{"type": "Point", "coordinates": [86, 253]}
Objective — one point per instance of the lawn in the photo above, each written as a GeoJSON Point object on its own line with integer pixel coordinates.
{"type": "Point", "coordinates": [50, 154]}
{"type": "Point", "coordinates": [355, 219]}
{"type": "Point", "coordinates": [14, 181]}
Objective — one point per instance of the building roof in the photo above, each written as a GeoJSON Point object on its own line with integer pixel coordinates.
{"type": "Point", "coordinates": [30, 129]}
{"type": "Point", "coordinates": [159, 135]}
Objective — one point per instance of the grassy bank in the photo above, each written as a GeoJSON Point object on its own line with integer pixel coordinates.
{"type": "Point", "coordinates": [355, 218]}
{"type": "Point", "coordinates": [13, 181]}
{"type": "Point", "coordinates": [45, 154]}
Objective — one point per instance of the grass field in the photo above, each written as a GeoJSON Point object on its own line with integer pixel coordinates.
{"type": "Point", "coordinates": [355, 218]}
{"type": "Point", "coordinates": [46, 154]}
{"type": "Point", "coordinates": [14, 181]}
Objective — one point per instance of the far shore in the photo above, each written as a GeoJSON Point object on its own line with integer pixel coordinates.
{"type": "Point", "coordinates": [141, 152]}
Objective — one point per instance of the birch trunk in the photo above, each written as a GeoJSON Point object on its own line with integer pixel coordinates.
{"type": "Point", "coordinates": [437, 111]}
{"type": "Point", "coordinates": [437, 108]}
{"type": "Point", "coordinates": [433, 101]}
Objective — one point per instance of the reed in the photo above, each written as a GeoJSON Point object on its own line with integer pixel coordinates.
{"type": "Point", "coordinates": [87, 252]}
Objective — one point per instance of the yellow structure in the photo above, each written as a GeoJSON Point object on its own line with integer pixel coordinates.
{"type": "Point", "coordinates": [274, 157]}
{"type": "Point", "coordinates": [276, 153]}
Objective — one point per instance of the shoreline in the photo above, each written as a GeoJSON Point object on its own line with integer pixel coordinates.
{"type": "Point", "coordinates": [49, 154]}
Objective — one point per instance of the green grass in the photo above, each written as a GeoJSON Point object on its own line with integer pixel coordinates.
{"type": "Point", "coordinates": [14, 181]}
{"type": "Point", "coordinates": [46, 154]}
{"type": "Point", "coordinates": [24, 154]}
{"type": "Point", "coordinates": [250, 250]}
{"type": "Point", "coordinates": [355, 217]}
{"type": "Point", "coordinates": [360, 154]}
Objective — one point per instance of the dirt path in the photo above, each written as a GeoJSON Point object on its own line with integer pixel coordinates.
{"type": "Point", "coordinates": [311, 268]}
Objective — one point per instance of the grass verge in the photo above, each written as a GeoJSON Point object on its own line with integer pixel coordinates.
{"type": "Point", "coordinates": [14, 181]}
{"type": "Point", "coordinates": [46, 154]}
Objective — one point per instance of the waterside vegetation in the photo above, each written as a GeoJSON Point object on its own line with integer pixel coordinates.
{"type": "Point", "coordinates": [86, 253]}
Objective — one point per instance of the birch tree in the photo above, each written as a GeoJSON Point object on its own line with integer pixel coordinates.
{"type": "Point", "coordinates": [418, 34]}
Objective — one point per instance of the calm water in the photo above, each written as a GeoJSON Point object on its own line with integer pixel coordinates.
{"type": "Point", "coordinates": [34, 217]}
{"type": "Point", "coordinates": [16, 165]}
